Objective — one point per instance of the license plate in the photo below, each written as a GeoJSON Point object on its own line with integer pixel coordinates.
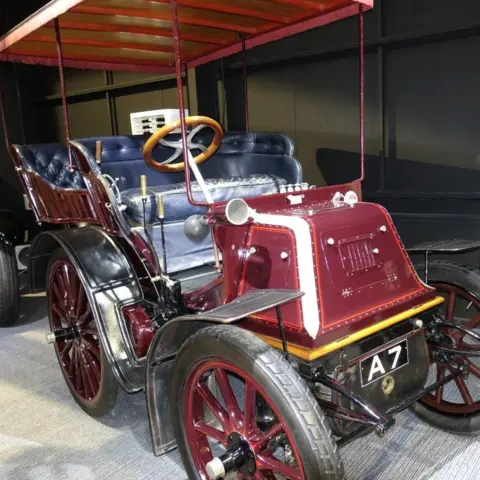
{"type": "Point", "coordinates": [383, 363]}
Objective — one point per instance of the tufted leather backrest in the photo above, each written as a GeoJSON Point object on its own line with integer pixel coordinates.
{"type": "Point", "coordinates": [51, 162]}
{"type": "Point", "coordinates": [240, 155]}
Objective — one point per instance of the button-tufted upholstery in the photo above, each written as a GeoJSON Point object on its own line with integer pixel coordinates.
{"type": "Point", "coordinates": [177, 206]}
{"type": "Point", "coordinates": [51, 162]}
{"type": "Point", "coordinates": [245, 165]}
{"type": "Point", "coordinates": [240, 155]}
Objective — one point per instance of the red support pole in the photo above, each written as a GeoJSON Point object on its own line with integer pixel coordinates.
{"type": "Point", "coordinates": [63, 90]}
{"type": "Point", "coordinates": [362, 91]}
{"type": "Point", "coordinates": [187, 88]}
{"type": "Point", "coordinates": [4, 121]}
{"type": "Point", "coordinates": [245, 84]}
{"type": "Point", "coordinates": [181, 102]}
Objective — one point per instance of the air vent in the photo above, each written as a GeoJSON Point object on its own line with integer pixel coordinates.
{"type": "Point", "coordinates": [149, 122]}
{"type": "Point", "coordinates": [357, 254]}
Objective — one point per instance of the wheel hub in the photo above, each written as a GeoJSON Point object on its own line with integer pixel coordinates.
{"type": "Point", "coordinates": [239, 457]}
{"type": "Point", "coordinates": [69, 333]}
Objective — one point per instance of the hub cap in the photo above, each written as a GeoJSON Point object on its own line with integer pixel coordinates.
{"type": "Point", "coordinates": [71, 319]}
{"type": "Point", "coordinates": [221, 422]}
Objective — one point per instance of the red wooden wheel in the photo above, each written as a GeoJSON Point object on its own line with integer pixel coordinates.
{"type": "Point", "coordinates": [240, 411]}
{"type": "Point", "coordinates": [455, 406]}
{"type": "Point", "coordinates": [463, 308]}
{"type": "Point", "coordinates": [235, 414]}
{"type": "Point", "coordinates": [78, 348]}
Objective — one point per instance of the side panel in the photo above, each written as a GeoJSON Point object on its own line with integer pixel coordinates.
{"type": "Point", "coordinates": [363, 267]}
{"type": "Point", "coordinates": [272, 263]}
{"type": "Point", "coordinates": [111, 284]}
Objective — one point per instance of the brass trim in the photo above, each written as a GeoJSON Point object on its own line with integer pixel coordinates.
{"type": "Point", "coordinates": [312, 354]}
{"type": "Point", "coordinates": [388, 385]}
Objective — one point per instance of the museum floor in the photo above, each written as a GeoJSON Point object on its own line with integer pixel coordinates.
{"type": "Point", "coordinates": [45, 436]}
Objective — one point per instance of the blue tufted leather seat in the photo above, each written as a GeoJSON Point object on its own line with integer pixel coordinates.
{"type": "Point", "coordinates": [245, 165]}
{"type": "Point", "coordinates": [51, 162]}
{"type": "Point", "coordinates": [177, 206]}
{"type": "Point", "coordinates": [239, 160]}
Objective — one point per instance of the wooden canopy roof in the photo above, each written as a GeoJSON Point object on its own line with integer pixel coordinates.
{"type": "Point", "coordinates": [137, 34]}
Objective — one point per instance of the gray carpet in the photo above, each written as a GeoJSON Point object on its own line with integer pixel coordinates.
{"type": "Point", "coordinates": [45, 436]}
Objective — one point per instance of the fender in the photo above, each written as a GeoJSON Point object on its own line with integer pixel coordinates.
{"type": "Point", "coordinates": [160, 361]}
{"type": "Point", "coordinates": [168, 341]}
{"type": "Point", "coordinates": [457, 245]}
{"type": "Point", "coordinates": [111, 284]}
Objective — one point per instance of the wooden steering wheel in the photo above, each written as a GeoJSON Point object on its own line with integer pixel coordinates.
{"type": "Point", "coordinates": [159, 137]}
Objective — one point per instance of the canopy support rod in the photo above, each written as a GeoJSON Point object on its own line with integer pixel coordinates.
{"type": "Point", "coordinates": [362, 90]}
{"type": "Point", "coordinates": [181, 103]}
{"type": "Point", "coordinates": [245, 82]}
{"type": "Point", "coordinates": [4, 120]}
{"type": "Point", "coordinates": [187, 89]}
{"type": "Point", "coordinates": [63, 90]}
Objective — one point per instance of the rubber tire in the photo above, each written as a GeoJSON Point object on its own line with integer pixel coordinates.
{"type": "Point", "coordinates": [288, 391]}
{"type": "Point", "coordinates": [108, 392]}
{"type": "Point", "coordinates": [465, 278]}
{"type": "Point", "coordinates": [9, 284]}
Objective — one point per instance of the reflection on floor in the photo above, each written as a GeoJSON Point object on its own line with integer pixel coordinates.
{"type": "Point", "coordinates": [45, 436]}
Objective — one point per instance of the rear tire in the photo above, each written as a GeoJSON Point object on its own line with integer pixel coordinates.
{"type": "Point", "coordinates": [9, 284]}
{"type": "Point", "coordinates": [83, 362]}
{"type": "Point", "coordinates": [447, 277]}
{"type": "Point", "coordinates": [254, 367]}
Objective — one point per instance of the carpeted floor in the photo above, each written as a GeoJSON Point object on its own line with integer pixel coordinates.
{"type": "Point", "coordinates": [45, 436]}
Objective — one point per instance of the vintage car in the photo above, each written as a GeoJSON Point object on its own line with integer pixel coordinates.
{"type": "Point", "coordinates": [268, 322]}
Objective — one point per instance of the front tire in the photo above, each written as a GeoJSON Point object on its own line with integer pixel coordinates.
{"type": "Point", "coordinates": [82, 360]}
{"type": "Point", "coordinates": [9, 284]}
{"type": "Point", "coordinates": [292, 439]}
{"type": "Point", "coordinates": [456, 406]}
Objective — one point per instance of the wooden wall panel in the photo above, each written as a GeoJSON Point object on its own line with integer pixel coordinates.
{"type": "Point", "coordinates": [317, 105]}
{"type": "Point", "coordinates": [87, 119]}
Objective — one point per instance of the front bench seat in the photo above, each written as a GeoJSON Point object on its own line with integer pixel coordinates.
{"type": "Point", "coordinates": [247, 164]}
{"type": "Point", "coordinates": [177, 206]}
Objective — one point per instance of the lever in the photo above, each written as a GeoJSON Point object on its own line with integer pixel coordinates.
{"type": "Point", "coordinates": [98, 152]}
{"type": "Point", "coordinates": [160, 207]}
{"type": "Point", "coordinates": [143, 186]}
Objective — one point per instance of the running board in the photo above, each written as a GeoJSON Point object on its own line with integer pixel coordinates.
{"type": "Point", "coordinates": [245, 305]}
{"type": "Point", "coordinates": [456, 245]}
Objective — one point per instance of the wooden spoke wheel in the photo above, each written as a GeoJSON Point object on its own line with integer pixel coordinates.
{"type": "Point", "coordinates": [455, 406]}
{"type": "Point", "coordinates": [80, 355]}
{"type": "Point", "coordinates": [238, 405]}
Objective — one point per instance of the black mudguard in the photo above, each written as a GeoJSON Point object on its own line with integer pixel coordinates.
{"type": "Point", "coordinates": [168, 340]}
{"type": "Point", "coordinates": [160, 361]}
{"type": "Point", "coordinates": [111, 284]}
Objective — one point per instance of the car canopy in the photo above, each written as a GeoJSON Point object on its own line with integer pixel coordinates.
{"type": "Point", "coordinates": [138, 35]}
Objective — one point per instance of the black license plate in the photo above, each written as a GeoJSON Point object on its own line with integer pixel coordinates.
{"type": "Point", "coordinates": [383, 363]}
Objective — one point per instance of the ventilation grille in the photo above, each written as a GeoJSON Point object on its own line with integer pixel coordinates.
{"type": "Point", "coordinates": [150, 122]}
{"type": "Point", "coordinates": [357, 255]}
